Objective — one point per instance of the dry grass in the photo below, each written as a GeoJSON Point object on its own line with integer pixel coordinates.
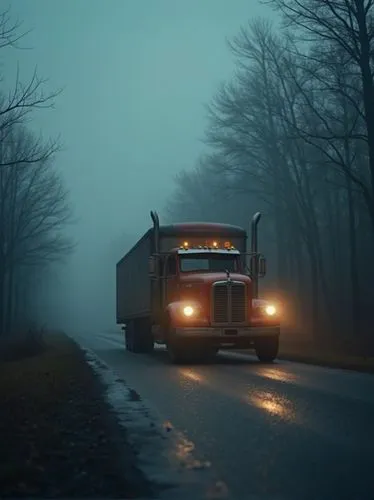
{"type": "Point", "coordinates": [339, 356]}
{"type": "Point", "coordinates": [21, 344]}
{"type": "Point", "coordinates": [344, 354]}
{"type": "Point", "coordinates": [58, 437]}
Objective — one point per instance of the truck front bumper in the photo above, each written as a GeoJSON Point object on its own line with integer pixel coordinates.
{"type": "Point", "coordinates": [228, 336]}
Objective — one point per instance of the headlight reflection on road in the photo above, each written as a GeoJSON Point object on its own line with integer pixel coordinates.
{"type": "Point", "coordinates": [275, 374]}
{"type": "Point", "coordinates": [273, 404]}
{"type": "Point", "coordinates": [191, 374]}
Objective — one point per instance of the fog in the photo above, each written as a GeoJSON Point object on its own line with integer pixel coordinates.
{"type": "Point", "coordinates": [205, 111]}
{"type": "Point", "coordinates": [135, 77]}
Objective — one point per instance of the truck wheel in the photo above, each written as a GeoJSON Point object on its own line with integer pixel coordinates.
{"type": "Point", "coordinates": [178, 353]}
{"type": "Point", "coordinates": [267, 349]}
{"type": "Point", "coordinates": [177, 356]}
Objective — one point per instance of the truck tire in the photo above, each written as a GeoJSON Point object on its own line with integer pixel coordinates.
{"type": "Point", "coordinates": [142, 340]}
{"type": "Point", "coordinates": [267, 349]}
{"type": "Point", "coordinates": [177, 355]}
{"type": "Point", "coordinates": [177, 352]}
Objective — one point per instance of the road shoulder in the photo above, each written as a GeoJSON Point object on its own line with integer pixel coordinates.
{"type": "Point", "coordinates": [59, 436]}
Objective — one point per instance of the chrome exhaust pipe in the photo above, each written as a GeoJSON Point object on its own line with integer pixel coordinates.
{"type": "Point", "coordinates": [254, 250]}
{"type": "Point", "coordinates": [156, 230]}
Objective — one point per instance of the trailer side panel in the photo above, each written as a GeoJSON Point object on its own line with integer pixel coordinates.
{"type": "Point", "coordinates": [133, 282]}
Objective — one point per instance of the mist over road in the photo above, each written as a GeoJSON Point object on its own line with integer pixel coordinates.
{"type": "Point", "coordinates": [285, 430]}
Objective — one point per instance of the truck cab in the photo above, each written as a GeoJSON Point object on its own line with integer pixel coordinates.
{"type": "Point", "coordinates": [205, 293]}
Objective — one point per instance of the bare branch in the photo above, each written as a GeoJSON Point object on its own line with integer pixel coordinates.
{"type": "Point", "coordinates": [10, 31]}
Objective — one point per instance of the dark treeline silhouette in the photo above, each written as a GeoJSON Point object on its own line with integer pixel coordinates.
{"type": "Point", "coordinates": [33, 200]}
{"type": "Point", "coordinates": [292, 135]}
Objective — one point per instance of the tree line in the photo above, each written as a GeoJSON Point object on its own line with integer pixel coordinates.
{"type": "Point", "coordinates": [34, 207]}
{"type": "Point", "coordinates": [291, 134]}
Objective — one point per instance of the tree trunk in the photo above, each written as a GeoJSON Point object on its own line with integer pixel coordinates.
{"type": "Point", "coordinates": [2, 301]}
{"type": "Point", "coordinates": [355, 290]}
{"type": "Point", "coordinates": [10, 296]}
{"type": "Point", "coordinates": [314, 311]}
{"type": "Point", "coordinates": [368, 92]}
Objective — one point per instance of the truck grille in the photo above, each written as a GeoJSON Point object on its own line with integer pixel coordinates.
{"type": "Point", "coordinates": [229, 302]}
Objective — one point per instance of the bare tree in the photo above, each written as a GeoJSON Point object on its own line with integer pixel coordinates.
{"type": "Point", "coordinates": [17, 104]}
{"type": "Point", "coordinates": [34, 211]}
{"type": "Point", "coordinates": [292, 135]}
{"type": "Point", "coordinates": [250, 125]}
{"type": "Point", "coordinates": [347, 26]}
{"type": "Point", "coordinates": [33, 203]}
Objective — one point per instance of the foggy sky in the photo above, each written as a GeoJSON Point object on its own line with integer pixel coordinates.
{"type": "Point", "coordinates": [136, 75]}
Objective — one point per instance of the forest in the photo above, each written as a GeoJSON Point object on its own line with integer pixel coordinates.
{"type": "Point", "coordinates": [34, 207]}
{"type": "Point", "coordinates": [291, 134]}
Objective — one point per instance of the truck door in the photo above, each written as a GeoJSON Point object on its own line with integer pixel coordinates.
{"type": "Point", "coordinates": [157, 287]}
{"type": "Point", "coordinates": [170, 281]}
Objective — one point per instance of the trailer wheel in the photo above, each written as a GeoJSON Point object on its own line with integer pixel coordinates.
{"type": "Point", "coordinates": [148, 343]}
{"type": "Point", "coordinates": [142, 340]}
{"type": "Point", "coordinates": [267, 349]}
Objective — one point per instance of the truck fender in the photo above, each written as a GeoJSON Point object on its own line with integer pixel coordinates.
{"type": "Point", "coordinates": [173, 313]}
{"type": "Point", "coordinates": [259, 314]}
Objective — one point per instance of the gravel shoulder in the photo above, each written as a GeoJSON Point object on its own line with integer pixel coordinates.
{"type": "Point", "coordinates": [59, 436]}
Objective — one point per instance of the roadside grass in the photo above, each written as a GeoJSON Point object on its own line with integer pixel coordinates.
{"type": "Point", "coordinates": [339, 356]}
{"type": "Point", "coordinates": [23, 344]}
{"type": "Point", "coordinates": [348, 355]}
{"type": "Point", "coordinates": [58, 436]}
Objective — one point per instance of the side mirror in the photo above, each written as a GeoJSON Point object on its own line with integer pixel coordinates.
{"type": "Point", "coordinates": [152, 266]}
{"type": "Point", "coordinates": [261, 266]}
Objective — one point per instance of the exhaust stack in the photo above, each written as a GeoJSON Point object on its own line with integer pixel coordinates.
{"type": "Point", "coordinates": [254, 250]}
{"type": "Point", "coordinates": [156, 229]}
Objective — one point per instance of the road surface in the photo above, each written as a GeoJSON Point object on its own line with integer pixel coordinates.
{"type": "Point", "coordinates": [281, 431]}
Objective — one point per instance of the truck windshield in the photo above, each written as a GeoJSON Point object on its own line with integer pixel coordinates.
{"type": "Point", "coordinates": [210, 263]}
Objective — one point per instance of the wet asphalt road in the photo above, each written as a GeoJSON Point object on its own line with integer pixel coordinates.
{"type": "Point", "coordinates": [287, 430]}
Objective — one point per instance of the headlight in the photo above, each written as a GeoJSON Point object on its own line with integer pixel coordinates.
{"type": "Point", "coordinates": [270, 310]}
{"type": "Point", "coordinates": [188, 311]}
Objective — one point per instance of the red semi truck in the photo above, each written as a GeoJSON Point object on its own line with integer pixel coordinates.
{"type": "Point", "coordinates": [194, 288]}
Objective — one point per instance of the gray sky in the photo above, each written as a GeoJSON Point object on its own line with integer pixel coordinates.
{"type": "Point", "coordinates": [136, 75]}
